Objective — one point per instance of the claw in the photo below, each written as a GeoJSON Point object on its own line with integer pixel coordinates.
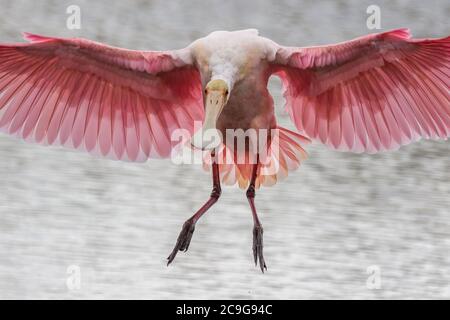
{"type": "Point", "coordinates": [258, 247]}
{"type": "Point", "coordinates": [183, 241]}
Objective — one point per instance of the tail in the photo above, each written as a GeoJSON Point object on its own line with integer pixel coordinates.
{"type": "Point", "coordinates": [285, 153]}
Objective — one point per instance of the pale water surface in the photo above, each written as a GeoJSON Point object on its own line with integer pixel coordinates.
{"type": "Point", "coordinates": [324, 226]}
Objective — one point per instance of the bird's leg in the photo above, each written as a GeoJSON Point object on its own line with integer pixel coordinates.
{"type": "Point", "coordinates": [257, 227]}
{"type": "Point", "coordinates": [187, 231]}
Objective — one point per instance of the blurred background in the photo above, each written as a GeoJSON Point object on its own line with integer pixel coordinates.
{"type": "Point", "coordinates": [342, 216]}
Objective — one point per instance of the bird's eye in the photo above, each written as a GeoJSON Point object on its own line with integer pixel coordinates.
{"type": "Point", "coordinates": [226, 92]}
{"type": "Point", "coordinates": [206, 91]}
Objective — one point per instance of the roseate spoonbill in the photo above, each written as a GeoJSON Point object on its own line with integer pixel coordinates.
{"type": "Point", "coordinates": [370, 94]}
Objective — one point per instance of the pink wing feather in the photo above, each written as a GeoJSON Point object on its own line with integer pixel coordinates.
{"type": "Point", "coordinates": [113, 102]}
{"type": "Point", "coordinates": [370, 94]}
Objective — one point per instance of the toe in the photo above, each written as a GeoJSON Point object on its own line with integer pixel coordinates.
{"type": "Point", "coordinates": [183, 240]}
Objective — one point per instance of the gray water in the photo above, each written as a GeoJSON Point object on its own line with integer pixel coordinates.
{"type": "Point", "coordinates": [324, 226]}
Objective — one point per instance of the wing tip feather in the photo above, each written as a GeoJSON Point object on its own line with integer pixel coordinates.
{"type": "Point", "coordinates": [401, 33]}
{"type": "Point", "coordinates": [32, 37]}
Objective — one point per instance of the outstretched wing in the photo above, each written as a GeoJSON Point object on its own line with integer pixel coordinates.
{"type": "Point", "coordinates": [113, 102]}
{"type": "Point", "coordinates": [370, 94]}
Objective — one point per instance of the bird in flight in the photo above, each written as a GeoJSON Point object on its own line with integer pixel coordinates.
{"type": "Point", "coordinates": [374, 93]}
